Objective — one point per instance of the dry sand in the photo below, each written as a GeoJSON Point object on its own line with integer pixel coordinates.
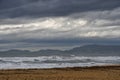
{"type": "Point", "coordinates": [88, 73]}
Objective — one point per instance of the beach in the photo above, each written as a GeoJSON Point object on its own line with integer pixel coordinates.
{"type": "Point", "coordinates": [73, 73]}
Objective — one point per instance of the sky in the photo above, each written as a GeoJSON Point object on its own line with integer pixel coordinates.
{"type": "Point", "coordinates": [58, 24]}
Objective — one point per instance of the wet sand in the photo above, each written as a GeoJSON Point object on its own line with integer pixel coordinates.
{"type": "Point", "coordinates": [77, 73]}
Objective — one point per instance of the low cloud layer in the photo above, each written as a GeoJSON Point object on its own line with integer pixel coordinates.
{"type": "Point", "coordinates": [29, 24]}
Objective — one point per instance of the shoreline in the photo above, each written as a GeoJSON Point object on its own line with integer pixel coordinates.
{"type": "Point", "coordinates": [80, 67]}
{"type": "Point", "coordinates": [107, 72]}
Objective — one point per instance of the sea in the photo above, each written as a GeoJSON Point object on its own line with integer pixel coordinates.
{"type": "Point", "coordinates": [42, 62]}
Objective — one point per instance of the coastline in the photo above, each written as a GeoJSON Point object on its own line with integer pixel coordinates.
{"type": "Point", "coordinates": [109, 72]}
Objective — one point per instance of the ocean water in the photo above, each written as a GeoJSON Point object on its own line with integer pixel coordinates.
{"type": "Point", "coordinates": [56, 61]}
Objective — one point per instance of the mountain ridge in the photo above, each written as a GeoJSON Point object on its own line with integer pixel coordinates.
{"type": "Point", "coordinates": [86, 50]}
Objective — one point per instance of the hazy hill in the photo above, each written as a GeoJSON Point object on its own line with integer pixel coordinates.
{"type": "Point", "coordinates": [87, 50]}
{"type": "Point", "coordinates": [96, 50]}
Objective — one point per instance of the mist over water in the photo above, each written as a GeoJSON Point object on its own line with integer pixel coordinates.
{"type": "Point", "coordinates": [56, 61]}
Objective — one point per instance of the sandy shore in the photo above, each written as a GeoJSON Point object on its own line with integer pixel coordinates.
{"type": "Point", "coordinates": [88, 73]}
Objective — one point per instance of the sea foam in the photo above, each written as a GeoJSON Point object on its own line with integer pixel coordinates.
{"type": "Point", "coordinates": [56, 61]}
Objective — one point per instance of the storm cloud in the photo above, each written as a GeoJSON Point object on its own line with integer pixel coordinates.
{"type": "Point", "coordinates": [28, 24]}
{"type": "Point", "coordinates": [43, 8]}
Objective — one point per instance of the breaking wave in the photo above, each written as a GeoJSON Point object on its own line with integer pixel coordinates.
{"type": "Point", "coordinates": [55, 61]}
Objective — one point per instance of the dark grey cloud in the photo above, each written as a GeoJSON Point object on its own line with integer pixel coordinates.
{"type": "Point", "coordinates": [45, 8]}
{"type": "Point", "coordinates": [35, 24]}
